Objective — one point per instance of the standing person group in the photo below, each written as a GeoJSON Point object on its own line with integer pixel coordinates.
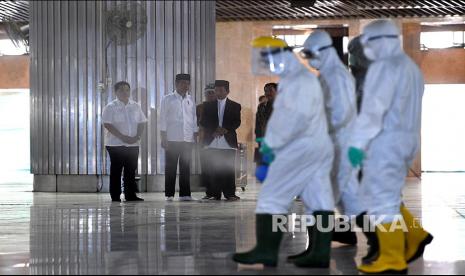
{"type": "Point", "coordinates": [218, 119]}
{"type": "Point", "coordinates": [315, 137]}
{"type": "Point", "coordinates": [183, 125]}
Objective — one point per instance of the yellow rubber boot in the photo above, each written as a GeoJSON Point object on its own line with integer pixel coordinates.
{"type": "Point", "coordinates": [416, 238]}
{"type": "Point", "coordinates": [391, 258]}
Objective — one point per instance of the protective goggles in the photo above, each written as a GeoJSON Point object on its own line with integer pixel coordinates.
{"type": "Point", "coordinates": [309, 54]}
{"type": "Point", "coordinates": [382, 36]}
{"type": "Point", "coordinates": [364, 39]}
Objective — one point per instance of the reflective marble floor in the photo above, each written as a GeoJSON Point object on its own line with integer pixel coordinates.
{"type": "Point", "coordinates": [86, 234]}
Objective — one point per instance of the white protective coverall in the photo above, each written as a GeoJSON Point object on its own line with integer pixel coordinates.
{"type": "Point", "coordinates": [298, 134]}
{"type": "Point", "coordinates": [341, 110]}
{"type": "Point", "coordinates": [388, 127]}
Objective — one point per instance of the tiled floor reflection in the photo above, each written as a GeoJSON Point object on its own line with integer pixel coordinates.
{"type": "Point", "coordinates": [87, 234]}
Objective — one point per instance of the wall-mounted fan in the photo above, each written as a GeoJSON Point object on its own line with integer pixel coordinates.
{"type": "Point", "coordinates": [124, 25]}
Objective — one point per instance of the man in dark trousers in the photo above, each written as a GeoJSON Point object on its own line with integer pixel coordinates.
{"type": "Point", "coordinates": [179, 132]}
{"type": "Point", "coordinates": [124, 122]}
{"type": "Point", "coordinates": [220, 121]}
{"type": "Point", "coordinates": [210, 96]}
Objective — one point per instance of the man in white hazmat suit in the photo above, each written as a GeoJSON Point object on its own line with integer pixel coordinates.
{"type": "Point", "coordinates": [298, 136]}
{"type": "Point", "coordinates": [386, 140]}
{"type": "Point", "coordinates": [341, 110]}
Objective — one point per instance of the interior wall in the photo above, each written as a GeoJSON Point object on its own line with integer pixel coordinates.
{"type": "Point", "coordinates": [443, 66]}
{"type": "Point", "coordinates": [14, 72]}
{"type": "Point", "coordinates": [439, 66]}
{"type": "Point", "coordinates": [233, 62]}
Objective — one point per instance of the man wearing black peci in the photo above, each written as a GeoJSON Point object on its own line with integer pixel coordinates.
{"type": "Point", "coordinates": [220, 121]}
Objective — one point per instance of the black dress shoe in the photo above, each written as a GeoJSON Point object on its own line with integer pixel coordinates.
{"type": "Point", "coordinates": [233, 198]}
{"type": "Point", "coordinates": [116, 200]}
{"type": "Point", "coordinates": [211, 198]}
{"type": "Point", "coordinates": [134, 199]}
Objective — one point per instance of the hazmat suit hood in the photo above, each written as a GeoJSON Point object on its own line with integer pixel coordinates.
{"type": "Point", "coordinates": [383, 48]}
{"type": "Point", "coordinates": [319, 44]}
{"type": "Point", "coordinates": [380, 40]}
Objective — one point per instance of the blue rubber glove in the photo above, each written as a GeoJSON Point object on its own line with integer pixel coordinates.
{"type": "Point", "coordinates": [356, 156]}
{"type": "Point", "coordinates": [267, 158]}
{"type": "Point", "coordinates": [267, 153]}
{"type": "Point", "coordinates": [261, 172]}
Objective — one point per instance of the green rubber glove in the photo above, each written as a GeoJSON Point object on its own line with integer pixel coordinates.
{"type": "Point", "coordinates": [265, 149]}
{"type": "Point", "coordinates": [356, 156]}
{"type": "Point", "coordinates": [266, 152]}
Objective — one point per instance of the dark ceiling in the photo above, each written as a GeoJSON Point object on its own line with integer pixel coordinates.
{"type": "Point", "coordinates": [15, 10]}
{"type": "Point", "coordinates": [241, 10]}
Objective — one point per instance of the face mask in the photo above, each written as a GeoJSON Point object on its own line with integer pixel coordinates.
{"type": "Point", "coordinates": [315, 63]}
{"type": "Point", "coordinates": [369, 53]}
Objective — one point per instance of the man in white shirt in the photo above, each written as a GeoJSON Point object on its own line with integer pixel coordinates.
{"type": "Point", "coordinates": [125, 123]}
{"type": "Point", "coordinates": [179, 132]}
{"type": "Point", "coordinates": [220, 120]}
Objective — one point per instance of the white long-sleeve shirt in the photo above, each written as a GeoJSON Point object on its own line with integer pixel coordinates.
{"type": "Point", "coordinates": [178, 117]}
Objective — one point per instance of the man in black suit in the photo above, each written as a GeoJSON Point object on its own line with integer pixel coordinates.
{"type": "Point", "coordinates": [264, 112]}
{"type": "Point", "coordinates": [220, 121]}
{"type": "Point", "coordinates": [265, 109]}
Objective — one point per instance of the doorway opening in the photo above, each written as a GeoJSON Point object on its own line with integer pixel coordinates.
{"type": "Point", "coordinates": [443, 128]}
{"type": "Point", "coordinates": [15, 140]}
